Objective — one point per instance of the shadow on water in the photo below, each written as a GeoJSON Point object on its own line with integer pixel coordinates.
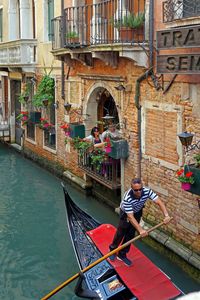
{"type": "Point", "coordinates": [36, 251]}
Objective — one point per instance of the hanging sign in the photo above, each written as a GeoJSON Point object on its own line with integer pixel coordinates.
{"type": "Point", "coordinates": [182, 37]}
{"type": "Point", "coordinates": [178, 64]}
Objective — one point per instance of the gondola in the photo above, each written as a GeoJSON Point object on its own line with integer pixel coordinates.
{"type": "Point", "coordinates": [111, 280]}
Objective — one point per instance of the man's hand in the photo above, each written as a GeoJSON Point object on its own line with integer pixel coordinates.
{"type": "Point", "coordinates": [143, 232]}
{"type": "Point", "coordinates": [167, 219]}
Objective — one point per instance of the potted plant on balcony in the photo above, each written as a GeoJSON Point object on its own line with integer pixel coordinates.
{"type": "Point", "coordinates": [45, 91]}
{"type": "Point", "coordinates": [97, 157]}
{"type": "Point", "coordinates": [81, 146]}
{"type": "Point", "coordinates": [131, 26]}
{"type": "Point", "coordinates": [72, 37]}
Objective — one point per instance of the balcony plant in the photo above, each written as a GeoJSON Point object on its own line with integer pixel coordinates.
{"type": "Point", "coordinates": [81, 146]}
{"type": "Point", "coordinates": [45, 91]}
{"type": "Point", "coordinates": [97, 157]}
{"type": "Point", "coordinates": [23, 117]}
{"type": "Point", "coordinates": [186, 178]}
{"type": "Point", "coordinates": [130, 26]}
{"type": "Point", "coordinates": [72, 37]}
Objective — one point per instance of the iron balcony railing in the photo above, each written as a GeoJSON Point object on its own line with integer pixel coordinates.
{"type": "Point", "coordinates": [102, 23]}
{"type": "Point", "coordinates": [179, 9]}
{"type": "Point", "coordinates": [107, 173]}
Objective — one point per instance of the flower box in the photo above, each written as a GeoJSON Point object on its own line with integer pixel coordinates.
{"type": "Point", "coordinates": [195, 187]}
{"type": "Point", "coordinates": [35, 116]}
{"type": "Point", "coordinates": [77, 130]}
{"type": "Point", "coordinates": [119, 149]}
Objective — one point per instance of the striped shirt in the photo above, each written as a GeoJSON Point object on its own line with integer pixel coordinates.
{"type": "Point", "coordinates": [130, 204]}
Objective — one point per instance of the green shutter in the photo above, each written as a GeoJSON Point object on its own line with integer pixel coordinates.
{"type": "Point", "coordinates": [50, 17]}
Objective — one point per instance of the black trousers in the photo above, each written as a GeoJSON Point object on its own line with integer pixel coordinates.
{"type": "Point", "coordinates": [125, 232]}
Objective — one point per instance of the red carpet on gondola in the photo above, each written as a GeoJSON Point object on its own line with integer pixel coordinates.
{"type": "Point", "coordinates": [143, 278]}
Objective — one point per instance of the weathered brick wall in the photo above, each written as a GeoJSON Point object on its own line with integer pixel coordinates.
{"type": "Point", "coordinates": [162, 117]}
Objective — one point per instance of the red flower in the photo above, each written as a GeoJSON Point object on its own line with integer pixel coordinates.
{"type": "Point", "coordinates": [188, 174]}
{"type": "Point", "coordinates": [180, 172]}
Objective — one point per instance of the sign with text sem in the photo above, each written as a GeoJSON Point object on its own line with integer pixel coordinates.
{"type": "Point", "coordinates": [181, 38]}
{"type": "Point", "coordinates": [179, 64]}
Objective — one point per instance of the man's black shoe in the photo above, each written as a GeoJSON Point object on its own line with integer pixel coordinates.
{"type": "Point", "coordinates": [125, 260]}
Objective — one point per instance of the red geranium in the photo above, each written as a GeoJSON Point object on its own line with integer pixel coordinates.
{"type": "Point", "coordinates": [185, 176]}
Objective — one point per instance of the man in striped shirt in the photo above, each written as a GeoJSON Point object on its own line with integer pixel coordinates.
{"type": "Point", "coordinates": [130, 215]}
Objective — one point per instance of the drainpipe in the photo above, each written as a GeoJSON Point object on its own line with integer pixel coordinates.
{"type": "Point", "coordinates": [138, 106]}
{"type": "Point", "coordinates": [144, 76]}
{"type": "Point", "coordinates": [62, 62]}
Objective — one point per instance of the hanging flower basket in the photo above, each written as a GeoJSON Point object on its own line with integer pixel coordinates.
{"type": "Point", "coordinates": [186, 178]}
{"type": "Point", "coordinates": [186, 186]}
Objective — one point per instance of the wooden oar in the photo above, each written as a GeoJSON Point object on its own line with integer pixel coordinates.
{"type": "Point", "coordinates": [65, 283]}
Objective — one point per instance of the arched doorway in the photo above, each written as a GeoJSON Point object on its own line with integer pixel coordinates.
{"type": "Point", "coordinates": [106, 106]}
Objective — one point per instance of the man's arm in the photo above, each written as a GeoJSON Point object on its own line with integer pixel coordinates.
{"type": "Point", "coordinates": [164, 210]}
{"type": "Point", "coordinates": [135, 224]}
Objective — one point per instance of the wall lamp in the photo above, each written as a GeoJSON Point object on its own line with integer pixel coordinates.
{"type": "Point", "coordinates": [56, 105]}
{"type": "Point", "coordinates": [120, 87]}
{"type": "Point", "coordinates": [186, 140]}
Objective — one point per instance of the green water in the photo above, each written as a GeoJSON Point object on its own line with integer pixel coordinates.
{"type": "Point", "coordinates": [36, 253]}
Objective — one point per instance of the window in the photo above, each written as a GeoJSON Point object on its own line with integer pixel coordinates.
{"type": "Point", "coordinates": [50, 135]}
{"type": "Point", "coordinates": [50, 138]}
{"type": "Point", "coordinates": [31, 131]}
{"type": "Point", "coordinates": [179, 9]}
{"type": "Point", "coordinates": [1, 25]}
{"type": "Point", "coordinates": [50, 8]}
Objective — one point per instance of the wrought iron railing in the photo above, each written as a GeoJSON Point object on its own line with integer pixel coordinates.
{"type": "Point", "coordinates": [179, 9]}
{"type": "Point", "coordinates": [107, 173]}
{"type": "Point", "coordinates": [96, 24]}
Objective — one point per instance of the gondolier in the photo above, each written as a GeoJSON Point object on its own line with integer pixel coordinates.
{"type": "Point", "coordinates": [131, 209]}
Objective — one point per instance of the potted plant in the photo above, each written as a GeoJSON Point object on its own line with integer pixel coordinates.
{"type": "Point", "coordinates": [23, 117]}
{"type": "Point", "coordinates": [97, 157]}
{"type": "Point", "coordinates": [23, 98]}
{"type": "Point", "coordinates": [81, 146]}
{"type": "Point", "coordinates": [66, 128]}
{"type": "Point", "coordinates": [72, 37]}
{"type": "Point", "coordinates": [45, 91]}
{"type": "Point", "coordinates": [131, 26]}
{"type": "Point", "coordinates": [45, 125]}
{"type": "Point", "coordinates": [186, 178]}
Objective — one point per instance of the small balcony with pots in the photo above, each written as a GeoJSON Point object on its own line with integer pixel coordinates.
{"type": "Point", "coordinates": [105, 30]}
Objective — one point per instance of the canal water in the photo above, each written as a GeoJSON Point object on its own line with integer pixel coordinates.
{"type": "Point", "coordinates": [36, 253]}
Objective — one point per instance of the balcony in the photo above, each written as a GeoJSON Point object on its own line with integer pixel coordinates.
{"type": "Point", "coordinates": [108, 173]}
{"type": "Point", "coordinates": [18, 54]}
{"type": "Point", "coordinates": [180, 9]}
{"type": "Point", "coordinates": [101, 27]}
